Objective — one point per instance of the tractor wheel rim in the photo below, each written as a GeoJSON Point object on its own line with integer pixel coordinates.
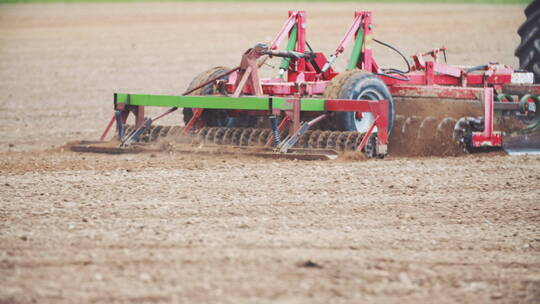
{"type": "Point", "coordinates": [362, 125]}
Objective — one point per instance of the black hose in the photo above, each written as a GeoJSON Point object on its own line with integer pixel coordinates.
{"type": "Point", "coordinates": [309, 47]}
{"type": "Point", "coordinates": [476, 68]}
{"type": "Point", "coordinates": [400, 54]}
{"type": "Point", "coordinates": [388, 72]}
{"type": "Point", "coordinates": [402, 78]}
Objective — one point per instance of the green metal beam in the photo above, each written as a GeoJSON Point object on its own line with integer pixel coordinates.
{"type": "Point", "coordinates": [290, 47]}
{"type": "Point", "coordinates": [357, 50]}
{"type": "Point", "coordinates": [207, 102]}
{"type": "Point", "coordinates": [306, 104]}
{"type": "Point", "coordinates": [218, 102]}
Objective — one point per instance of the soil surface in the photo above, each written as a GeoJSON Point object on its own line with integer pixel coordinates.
{"type": "Point", "coordinates": [170, 227]}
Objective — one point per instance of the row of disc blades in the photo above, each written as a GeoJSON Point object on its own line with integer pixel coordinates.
{"type": "Point", "coordinates": [424, 136]}
{"type": "Point", "coordinates": [340, 141]}
{"type": "Point", "coordinates": [411, 136]}
{"type": "Point", "coordinates": [337, 140]}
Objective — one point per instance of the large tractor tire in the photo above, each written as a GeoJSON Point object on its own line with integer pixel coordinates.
{"type": "Point", "coordinates": [358, 85]}
{"type": "Point", "coordinates": [214, 118]}
{"type": "Point", "coordinates": [528, 51]}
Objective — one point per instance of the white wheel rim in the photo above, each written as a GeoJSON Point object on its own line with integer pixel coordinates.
{"type": "Point", "coordinates": [362, 125]}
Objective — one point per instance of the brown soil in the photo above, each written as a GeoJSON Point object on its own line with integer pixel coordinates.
{"type": "Point", "coordinates": [170, 227]}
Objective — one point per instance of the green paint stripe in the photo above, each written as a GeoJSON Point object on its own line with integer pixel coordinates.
{"type": "Point", "coordinates": [218, 102]}
{"type": "Point", "coordinates": [356, 51]}
{"type": "Point", "coordinates": [307, 104]}
{"type": "Point", "coordinates": [290, 47]}
{"type": "Point", "coordinates": [206, 102]}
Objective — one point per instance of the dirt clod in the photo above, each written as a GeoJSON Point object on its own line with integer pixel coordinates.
{"type": "Point", "coordinates": [309, 264]}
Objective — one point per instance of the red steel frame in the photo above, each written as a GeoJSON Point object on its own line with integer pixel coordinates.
{"type": "Point", "coordinates": [426, 79]}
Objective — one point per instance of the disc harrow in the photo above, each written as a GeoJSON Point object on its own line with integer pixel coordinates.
{"type": "Point", "coordinates": [432, 108]}
{"type": "Point", "coordinates": [316, 139]}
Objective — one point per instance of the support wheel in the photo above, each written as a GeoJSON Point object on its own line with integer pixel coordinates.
{"type": "Point", "coordinates": [215, 118]}
{"type": "Point", "coordinates": [358, 85]}
{"type": "Point", "coordinates": [528, 50]}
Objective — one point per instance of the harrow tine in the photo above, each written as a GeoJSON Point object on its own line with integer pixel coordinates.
{"type": "Point", "coordinates": [290, 141]}
{"type": "Point", "coordinates": [135, 134]}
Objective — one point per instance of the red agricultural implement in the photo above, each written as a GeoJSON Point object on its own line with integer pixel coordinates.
{"type": "Point", "coordinates": [310, 111]}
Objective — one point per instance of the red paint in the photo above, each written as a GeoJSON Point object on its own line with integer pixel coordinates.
{"type": "Point", "coordinates": [109, 125]}
{"type": "Point", "coordinates": [428, 78]}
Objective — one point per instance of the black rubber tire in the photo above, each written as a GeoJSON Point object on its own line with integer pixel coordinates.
{"type": "Point", "coordinates": [528, 51]}
{"type": "Point", "coordinates": [214, 118]}
{"type": "Point", "coordinates": [532, 8]}
{"type": "Point", "coordinates": [363, 85]}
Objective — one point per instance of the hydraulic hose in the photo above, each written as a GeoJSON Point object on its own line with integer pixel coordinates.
{"type": "Point", "coordinates": [388, 72]}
